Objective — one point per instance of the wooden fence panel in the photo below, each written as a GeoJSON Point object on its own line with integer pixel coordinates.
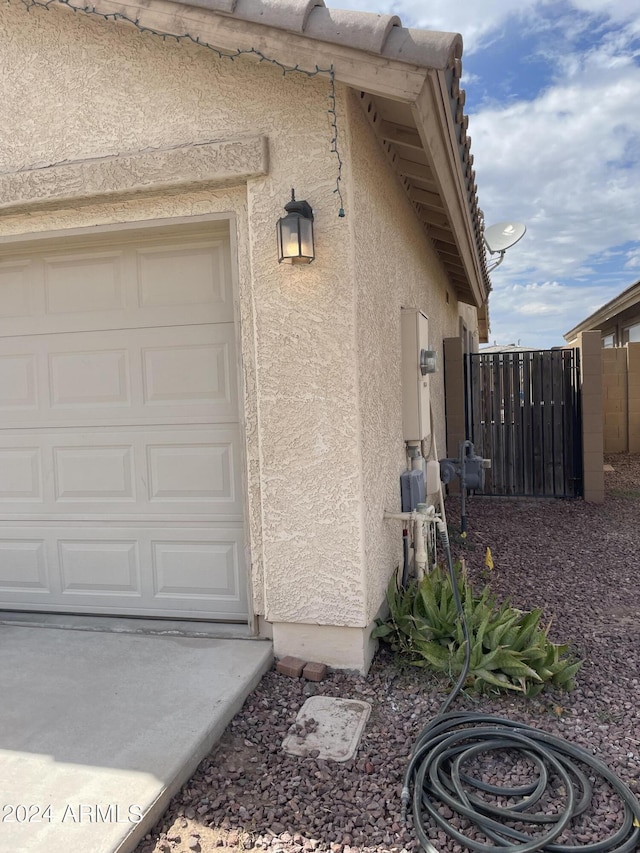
{"type": "Point", "coordinates": [487, 414]}
{"type": "Point", "coordinates": [537, 438]}
{"type": "Point", "coordinates": [527, 430]}
{"type": "Point", "coordinates": [547, 423]}
{"type": "Point", "coordinates": [557, 395]}
{"type": "Point", "coordinates": [497, 431]}
{"type": "Point", "coordinates": [507, 420]}
{"type": "Point", "coordinates": [524, 415]}
{"type": "Point", "coordinates": [571, 424]}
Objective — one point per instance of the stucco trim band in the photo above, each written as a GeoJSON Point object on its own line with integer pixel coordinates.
{"type": "Point", "coordinates": [219, 163]}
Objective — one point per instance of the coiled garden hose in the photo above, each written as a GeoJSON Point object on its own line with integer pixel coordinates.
{"type": "Point", "coordinates": [405, 557]}
{"type": "Point", "coordinates": [436, 773]}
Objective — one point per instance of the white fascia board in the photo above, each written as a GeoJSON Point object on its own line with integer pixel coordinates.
{"type": "Point", "coordinates": [439, 140]}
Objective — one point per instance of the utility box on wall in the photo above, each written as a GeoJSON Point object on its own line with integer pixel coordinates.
{"type": "Point", "coordinates": [416, 405]}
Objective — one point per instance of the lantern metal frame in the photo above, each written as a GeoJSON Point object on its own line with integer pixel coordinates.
{"type": "Point", "coordinates": [294, 233]}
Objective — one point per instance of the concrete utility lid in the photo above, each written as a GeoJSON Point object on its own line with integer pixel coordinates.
{"type": "Point", "coordinates": [328, 727]}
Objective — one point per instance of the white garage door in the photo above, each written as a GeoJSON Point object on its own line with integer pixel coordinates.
{"type": "Point", "coordinates": [121, 487]}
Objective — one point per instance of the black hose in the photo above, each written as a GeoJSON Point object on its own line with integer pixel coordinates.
{"type": "Point", "coordinates": [405, 557]}
{"type": "Point", "coordinates": [450, 740]}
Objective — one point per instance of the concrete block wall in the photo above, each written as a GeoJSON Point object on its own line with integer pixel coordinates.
{"type": "Point", "coordinates": [633, 396]}
{"type": "Point", "coordinates": [614, 400]}
{"type": "Point", "coordinates": [621, 399]}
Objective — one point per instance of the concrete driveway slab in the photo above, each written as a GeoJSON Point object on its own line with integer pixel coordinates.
{"type": "Point", "coordinates": [99, 730]}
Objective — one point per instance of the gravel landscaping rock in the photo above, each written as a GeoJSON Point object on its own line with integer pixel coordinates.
{"type": "Point", "coordinates": [577, 561]}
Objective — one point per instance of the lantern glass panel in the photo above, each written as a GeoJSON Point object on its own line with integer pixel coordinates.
{"type": "Point", "coordinates": [295, 239]}
{"type": "Point", "coordinates": [306, 239]}
{"type": "Point", "coordinates": [289, 237]}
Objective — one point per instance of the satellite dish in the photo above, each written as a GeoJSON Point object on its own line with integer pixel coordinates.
{"type": "Point", "coordinates": [503, 236]}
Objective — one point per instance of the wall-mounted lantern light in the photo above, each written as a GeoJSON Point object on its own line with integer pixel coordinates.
{"type": "Point", "coordinates": [295, 233]}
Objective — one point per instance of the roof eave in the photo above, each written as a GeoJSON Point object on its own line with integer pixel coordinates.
{"type": "Point", "coordinates": [441, 143]}
{"type": "Point", "coordinates": [429, 90]}
{"type": "Point", "coordinates": [352, 66]}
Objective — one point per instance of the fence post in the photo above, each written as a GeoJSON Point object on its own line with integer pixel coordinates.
{"type": "Point", "coordinates": [454, 393]}
{"type": "Point", "coordinates": [633, 386]}
{"type": "Point", "coordinates": [590, 345]}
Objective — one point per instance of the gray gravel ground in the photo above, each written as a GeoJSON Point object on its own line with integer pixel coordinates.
{"type": "Point", "coordinates": [577, 561]}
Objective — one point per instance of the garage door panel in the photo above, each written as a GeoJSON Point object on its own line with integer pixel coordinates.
{"type": "Point", "coordinates": [126, 376]}
{"type": "Point", "coordinates": [196, 570]}
{"type": "Point", "coordinates": [15, 286]}
{"type": "Point", "coordinates": [123, 473]}
{"type": "Point", "coordinates": [89, 378]}
{"type": "Point", "coordinates": [187, 472]}
{"type": "Point", "coordinates": [99, 566]}
{"type": "Point", "coordinates": [66, 277]}
{"type": "Point", "coordinates": [184, 571]}
{"type": "Point", "coordinates": [18, 384]}
{"type": "Point", "coordinates": [24, 566]}
{"type": "Point", "coordinates": [21, 474]}
{"type": "Point", "coordinates": [183, 375]}
{"type": "Point", "coordinates": [191, 315]}
{"type": "Point", "coordinates": [94, 473]}
{"type": "Point", "coordinates": [193, 275]}
{"type": "Point", "coordinates": [171, 281]}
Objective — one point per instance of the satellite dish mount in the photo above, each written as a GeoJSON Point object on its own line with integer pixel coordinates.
{"type": "Point", "coordinates": [498, 238]}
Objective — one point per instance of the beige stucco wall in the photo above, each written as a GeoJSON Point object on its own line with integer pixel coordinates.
{"type": "Point", "coordinates": [77, 87]}
{"type": "Point", "coordinates": [320, 345]}
{"type": "Point", "coordinates": [395, 266]}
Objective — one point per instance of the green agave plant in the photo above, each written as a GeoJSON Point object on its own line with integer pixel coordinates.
{"type": "Point", "coordinates": [509, 648]}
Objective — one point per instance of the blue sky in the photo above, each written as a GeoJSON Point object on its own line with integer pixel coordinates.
{"type": "Point", "coordinates": [553, 97]}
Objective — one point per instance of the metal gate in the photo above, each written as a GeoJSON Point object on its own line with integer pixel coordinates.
{"type": "Point", "coordinates": [523, 413]}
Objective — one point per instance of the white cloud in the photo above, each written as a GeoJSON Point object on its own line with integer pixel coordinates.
{"type": "Point", "coordinates": [538, 314]}
{"type": "Point", "coordinates": [534, 309]}
{"type": "Point", "coordinates": [565, 161]}
{"type": "Point", "coordinates": [616, 10]}
{"type": "Point", "coordinates": [476, 21]}
{"type": "Point", "coordinates": [480, 22]}
{"type": "Point", "coordinates": [566, 164]}
{"type": "Point", "coordinates": [633, 260]}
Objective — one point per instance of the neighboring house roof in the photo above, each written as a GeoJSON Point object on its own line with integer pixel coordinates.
{"type": "Point", "coordinates": [604, 316]}
{"type": "Point", "coordinates": [406, 78]}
